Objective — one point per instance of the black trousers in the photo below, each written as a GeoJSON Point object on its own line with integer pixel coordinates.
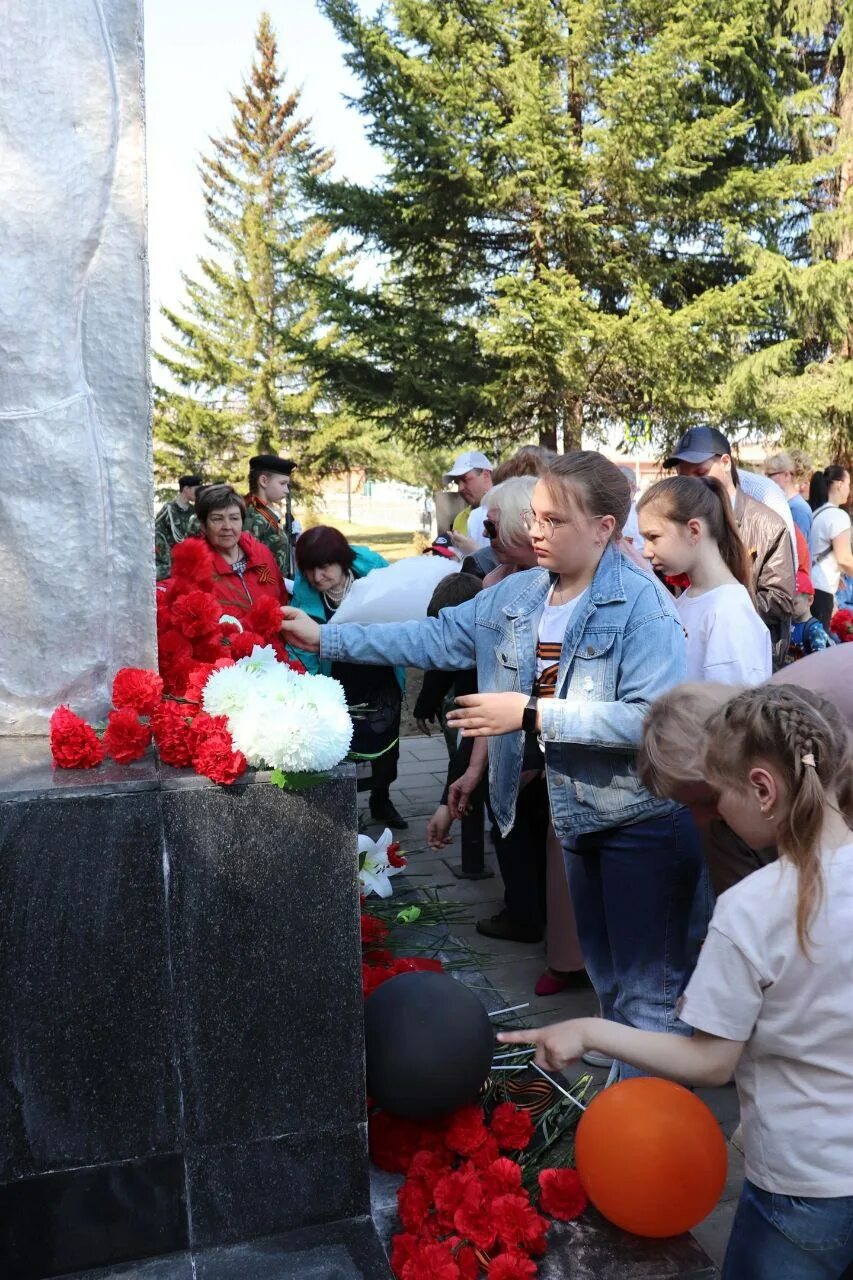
{"type": "Point", "coordinates": [521, 856]}
{"type": "Point", "coordinates": [823, 607]}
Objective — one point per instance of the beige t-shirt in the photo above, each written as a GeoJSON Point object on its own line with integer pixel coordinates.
{"type": "Point", "coordinates": [753, 983]}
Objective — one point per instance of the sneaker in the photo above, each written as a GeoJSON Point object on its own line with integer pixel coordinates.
{"type": "Point", "coordinates": [595, 1059]}
{"type": "Point", "coordinates": [550, 983]}
{"type": "Point", "coordinates": [383, 810]}
{"type": "Point", "coordinates": [504, 927]}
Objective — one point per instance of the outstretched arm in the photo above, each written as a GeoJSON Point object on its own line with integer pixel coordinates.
{"type": "Point", "coordinates": [700, 1059]}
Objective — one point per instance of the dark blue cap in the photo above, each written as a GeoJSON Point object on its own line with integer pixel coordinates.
{"type": "Point", "coordinates": [698, 445]}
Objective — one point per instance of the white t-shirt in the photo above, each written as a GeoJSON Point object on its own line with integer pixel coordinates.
{"type": "Point", "coordinates": [726, 639]}
{"type": "Point", "coordinates": [553, 626]}
{"type": "Point", "coordinates": [753, 983]}
{"type": "Point", "coordinates": [828, 522]}
{"type": "Point", "coordinates": [631, 528]}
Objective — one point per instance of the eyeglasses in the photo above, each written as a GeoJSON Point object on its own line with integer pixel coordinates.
{"type": "Point", "coordinates": [490, 529]}
{"type": "Point", "coordinates": [547, 525]}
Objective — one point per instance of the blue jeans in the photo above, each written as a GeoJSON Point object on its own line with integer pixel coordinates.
{"type": "Point", "coordinates": [778, 1237]}
{"type": "Point", "coordinates": [643, 901]}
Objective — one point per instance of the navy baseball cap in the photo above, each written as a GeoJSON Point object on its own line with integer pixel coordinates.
{"type": "Point", "coordinates": [698, 445]}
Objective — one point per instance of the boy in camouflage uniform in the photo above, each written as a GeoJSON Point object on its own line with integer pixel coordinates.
{"type": "Point", "coordinates": [174, 521]}
{"type": "Point", "coordinates": [269, 482]}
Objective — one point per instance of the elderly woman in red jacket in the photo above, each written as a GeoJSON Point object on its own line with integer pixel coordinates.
{"type": "Point", "coordinates": [243, 568]}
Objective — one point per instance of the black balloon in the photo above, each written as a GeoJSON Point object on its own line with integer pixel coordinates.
{"type": "Point", "coordinates": [429, 1045]}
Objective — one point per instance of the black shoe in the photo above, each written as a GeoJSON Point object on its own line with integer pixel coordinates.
{"type": "Point", "coordinates": [383, 810]}
{"type": "Point", "coordinates": [504, 927]}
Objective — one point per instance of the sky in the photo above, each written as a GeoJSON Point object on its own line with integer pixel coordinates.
{"type": "Point", "coordinates": [196, 53]}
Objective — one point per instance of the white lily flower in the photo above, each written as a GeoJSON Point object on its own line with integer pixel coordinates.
{"type": "Point", "coordinates": [375, 869]}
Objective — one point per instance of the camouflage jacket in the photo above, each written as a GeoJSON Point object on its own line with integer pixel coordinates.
{"type": "Point", "coordinates": [172, 524]}
{"type": "Point", "coordinates": [262, 523]}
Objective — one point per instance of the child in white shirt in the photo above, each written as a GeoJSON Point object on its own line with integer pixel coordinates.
{"type": "Point", "coordinates": [770, 998]}
{"type": "Point", "coordinates": [688, 529]}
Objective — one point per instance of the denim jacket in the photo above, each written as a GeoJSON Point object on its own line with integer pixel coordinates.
{"type": "Point", "coordinates": [623, 648]}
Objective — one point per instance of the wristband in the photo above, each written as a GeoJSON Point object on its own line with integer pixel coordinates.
{"type": "Point", "coordinates": [528, 718]}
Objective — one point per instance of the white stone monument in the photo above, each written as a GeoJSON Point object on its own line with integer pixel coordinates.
{"type": "Point", "coordinates": [76, 519]}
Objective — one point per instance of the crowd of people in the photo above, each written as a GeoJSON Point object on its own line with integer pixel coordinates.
{"type": "Point", "coordinates": [671, 792]}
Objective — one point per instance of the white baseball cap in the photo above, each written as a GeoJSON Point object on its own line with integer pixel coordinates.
{"type": "Point", "coordinates": [466, 462]}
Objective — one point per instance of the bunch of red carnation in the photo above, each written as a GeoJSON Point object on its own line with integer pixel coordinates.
{"type": "Point", "coordinates": [185, 735]}
{"type": "Point", "coordinates": [377, 962]}
{"type": "Point", "coordinates": [192, 638]}
{"type": "Point", "coordinates": [464, 1206]}
{"type": "Point", "coordinates": [841, 625]}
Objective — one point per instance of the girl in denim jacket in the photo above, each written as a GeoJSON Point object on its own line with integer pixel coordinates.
{"type": "Point", "coordinates": [601, 637]}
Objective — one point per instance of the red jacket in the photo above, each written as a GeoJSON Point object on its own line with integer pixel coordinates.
{"type": "Point", "coordinates": [262, 577]}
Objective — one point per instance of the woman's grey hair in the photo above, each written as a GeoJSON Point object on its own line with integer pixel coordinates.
{"type": "Point", "coordinates": [510, 499]}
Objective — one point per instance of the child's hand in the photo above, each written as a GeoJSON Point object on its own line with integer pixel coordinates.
{"type": "Point", "coordinates": [438, 828]}
{"type": "Point", "coordinates": [556, 1045]}
{"type": "Point", "coordinates": [459, 794]}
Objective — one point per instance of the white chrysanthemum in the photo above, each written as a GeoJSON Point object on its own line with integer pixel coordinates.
{"type": "Point", "coordinates": [285, 720]}
{"type": "Point", "coordinates": [229, 690]}
{"type": "Point", "coordinates": [260, 659]}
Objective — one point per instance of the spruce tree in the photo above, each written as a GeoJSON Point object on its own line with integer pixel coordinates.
{"type": "Point", "coordinates": [235, 353]}
{"type": "Point", "coordinates": [799, 384]}
{"type": "Point", "coordinates": [589, 216]}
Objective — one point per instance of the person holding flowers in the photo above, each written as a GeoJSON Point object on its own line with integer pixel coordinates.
{"type": "Point", "coordinates": [606, 636]}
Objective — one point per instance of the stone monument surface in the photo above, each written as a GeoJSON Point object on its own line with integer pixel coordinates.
{"type": "Point", "coordinates": [181, 1040]}
{"type": "Point", "coordinates": [75, 441]}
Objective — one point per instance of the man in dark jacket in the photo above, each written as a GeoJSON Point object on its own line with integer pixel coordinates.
{"type": "Point", "coordinates": [704, 451]}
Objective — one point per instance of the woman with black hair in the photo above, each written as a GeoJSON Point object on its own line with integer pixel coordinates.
{"type": "Point", "coordinates": [829, 540]}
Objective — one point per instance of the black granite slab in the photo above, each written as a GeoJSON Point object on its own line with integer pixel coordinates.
{"type": "Point", "coordinates": [244, 1190]}
{"type": "Point", "coordinates": [257, 929]}
{"type": "Point", "coordinates": [86, 1051]}
{"type": "Point", "coordinates": [181, 1042]}
{"type": "Point", "coordinates": [61, 1222]}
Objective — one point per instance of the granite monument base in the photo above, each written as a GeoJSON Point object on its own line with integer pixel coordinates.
{"type": "Point", "coordinates": [181, 1042]}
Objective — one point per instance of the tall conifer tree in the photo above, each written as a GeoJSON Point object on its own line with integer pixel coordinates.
{"type": "Point", "coordinates": [589, 215]}
{"type": "Point", "coordinates": [235, 352]}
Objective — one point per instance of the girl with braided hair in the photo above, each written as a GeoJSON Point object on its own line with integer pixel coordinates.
{"type": "Point", "coordinates": [770, 998]}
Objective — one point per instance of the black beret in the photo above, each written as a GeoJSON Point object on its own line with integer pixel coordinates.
{"type": "Point", "coordinates": [271, 462]}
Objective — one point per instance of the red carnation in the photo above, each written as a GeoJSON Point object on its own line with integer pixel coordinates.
{"type": "Point", "coordinates": [193, 563]}
{"type": "Point", "coordinates": [282, 655]}
{"type": "Point", "coordinates": [393, 1141]}
{"type": "Point", "coordinates": [265, 617]}
{"type": "Point", "coordinates": [466, 1261]}
{"type": "Point", "coordinates": [561, 1194]}
{"type": "Point", "coordinates": [196, 614]}
{"type": "Point", "coordinates": [373, 930]}
{"type": "Point", "coordinates": [126, 737]}
{"type": "Point", "coordinates": [211, 649]}
{"type": "Point", "coordinates": [460, 1189]}
{"type": "Point", "coordinates": [216, 758]}
{"type": "Point", "coordinates": [134, 687]}
{"type": "Point", "coordinates": [414, 1204]}
{"type": "Point", "coordinates": [172, 646]}
{"type": "Point", "coordinates": [486, 1153]}
{"type": "Point", "coordinates": [403, 1248]}
{"type": "Point", "coordinates": [431, 1261]}
{"type": "Point", "coordinates": [429, 1168]}
{"type": "Point", "coordinates": [841, 625]}
{"type": "Point", "coordinates": [372, 976]}
{"type": "Point", "coordinates": [501, 1177]}
{"type": "Point", "coordinates": [171, 728]}
{"type": "Point", "coordinates": [512, 1266]}
{"type": "Point", "coordinates": [516, 1221]}
{"type": "Point", "coordinates": [176, 678]}
{"type": "Point", "coordinates": [476, 1225]}
{"type": "Point", "coordinates": [465, 1130]}
{"type": "Point", "coordinates": [394, 856]}
{"type": "Point", "coordinates": [241, 646]}
{"type": "Point", "coordinates": [512, 1126]}
{"type": "Point", "coordinates": [73, 743]}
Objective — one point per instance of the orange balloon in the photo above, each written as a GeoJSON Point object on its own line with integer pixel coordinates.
{"type": "Point", "coordinates": [650, 1156]}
